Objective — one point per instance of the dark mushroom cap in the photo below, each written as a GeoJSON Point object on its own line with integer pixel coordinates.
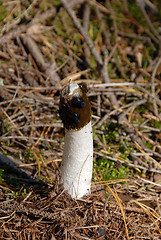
{"type": "Point", "coordinates": [74, 108]}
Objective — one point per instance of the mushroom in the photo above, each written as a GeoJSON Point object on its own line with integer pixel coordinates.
{"type": "Point", "coordinates": [77, 161]}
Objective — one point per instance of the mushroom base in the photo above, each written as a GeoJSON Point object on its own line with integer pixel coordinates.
{"type": "Point", "coordinates": [77, 163]}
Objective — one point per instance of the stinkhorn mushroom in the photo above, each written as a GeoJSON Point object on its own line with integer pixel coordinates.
{"type": "Point", "coordinates": [77, 162]}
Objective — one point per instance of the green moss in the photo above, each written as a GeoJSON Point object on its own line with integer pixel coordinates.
{"type": "Point", "coordinates": [156, 124]}
{"type": "Point", "coordinates": [111, 133]}
{"type": "Point", "coordinates": [7, 127]}
{"type": "Point", "coordinates": [24, 192]}
{"type": "Point", "coordinates": [3, 11]}
{"type": "Point", "coordinates": [56, 3]}
{"type": "Point", "coordinates": [151, 51]}
{"type": "Point", "coordinates": [109, 169]}
{"type": "Point", "coordinates": [1, 174]}
{"type": "Point", "coordinates": [137, 14]}
{"type": "Point", "coordinates": [94, 31]}
{"type": "Point", "coordinates": [108, 20]}
{"type": "Point", "coordinates": [148, 145]}
{"type": "Point", "coordinates": [93, 63]}
{"type": "Point", "coordinates": [76, 37]}
{"type": "Point", "coordinates": [15, 194]}
{"type": "Point", "coordinates": [111, 68]}
{"type": "Point", "coordinates": [59, 29]}
{"type": "Point", "coordinates": [145, 63]}
{"type": "Point", "coordinates": [29, 157]}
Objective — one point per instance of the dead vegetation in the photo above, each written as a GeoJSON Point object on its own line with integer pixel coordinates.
{"type": "Point", "coordinates": [114, 48]}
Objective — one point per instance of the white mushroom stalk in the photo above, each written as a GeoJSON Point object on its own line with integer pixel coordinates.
{"type": "Point", "coordinates": [77, 162]}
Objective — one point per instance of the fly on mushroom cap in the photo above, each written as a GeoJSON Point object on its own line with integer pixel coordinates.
{"type": "Point", "coordinates": [74, 109]}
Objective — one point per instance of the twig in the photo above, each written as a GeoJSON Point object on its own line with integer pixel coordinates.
{"type": "Point", "coordinates": [14, 165]}
{"type": "Point", "coordinates": [104, 85]}
{"type": "Point", "coordinates": [149, 22]}
{"type": "Point", "coordinates": [83, 32]}
{"type": "Point", "coordinates": [98, 105]}
{"type": "Point", "coordinates": [149, 94]}
{"type": "Point", "coordinates": [104, 70]}
{"type": "Point", "coordinates": [49, 69]}
{"type": "Point", "coordinates": [142, 135]}
{"type": "Point", "coordinates": [105, 31]}
{"type": "Point", "coordinates": [16, 20]}
{"type": "Point", "coordinates": [19, 207]}
{"type": "Point", "coordinates": [150, 182]}
{"type": "Point", "coordinates": [86, 18]}
{"type": "Point", "coordinates": [99, 6]}
{"type": "Point", "coordinates": [134, 105]}
{"type": "Point", "coordinates": [27, 138]}
{"type": "Point", "coordinates": [18, 30]}
{"type": "Point", "coordinates": [142, 38]}
{"type": "Point", "coordinates": [150, 158]}
{"type": "Point", "coordinates": [113, 19]}
{"type": "Point", "coordinates": [135, 166]}
{"type": "Point", "coordinates": [153, 86]}
{"type": "Point", "coordinates": [13, 124]}
{"type": "Point", "coordinates": [73, 77]}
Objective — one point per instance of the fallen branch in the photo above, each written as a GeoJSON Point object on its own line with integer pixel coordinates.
{"type": "Point", "coordinates": [49, 69]}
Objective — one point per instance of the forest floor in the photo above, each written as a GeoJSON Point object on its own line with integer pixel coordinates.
{"type": "Point", "coordinates": [114, 47]}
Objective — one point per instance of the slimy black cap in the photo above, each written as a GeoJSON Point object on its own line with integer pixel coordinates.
{"type": "Point", "coordinates": [74, 108]}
